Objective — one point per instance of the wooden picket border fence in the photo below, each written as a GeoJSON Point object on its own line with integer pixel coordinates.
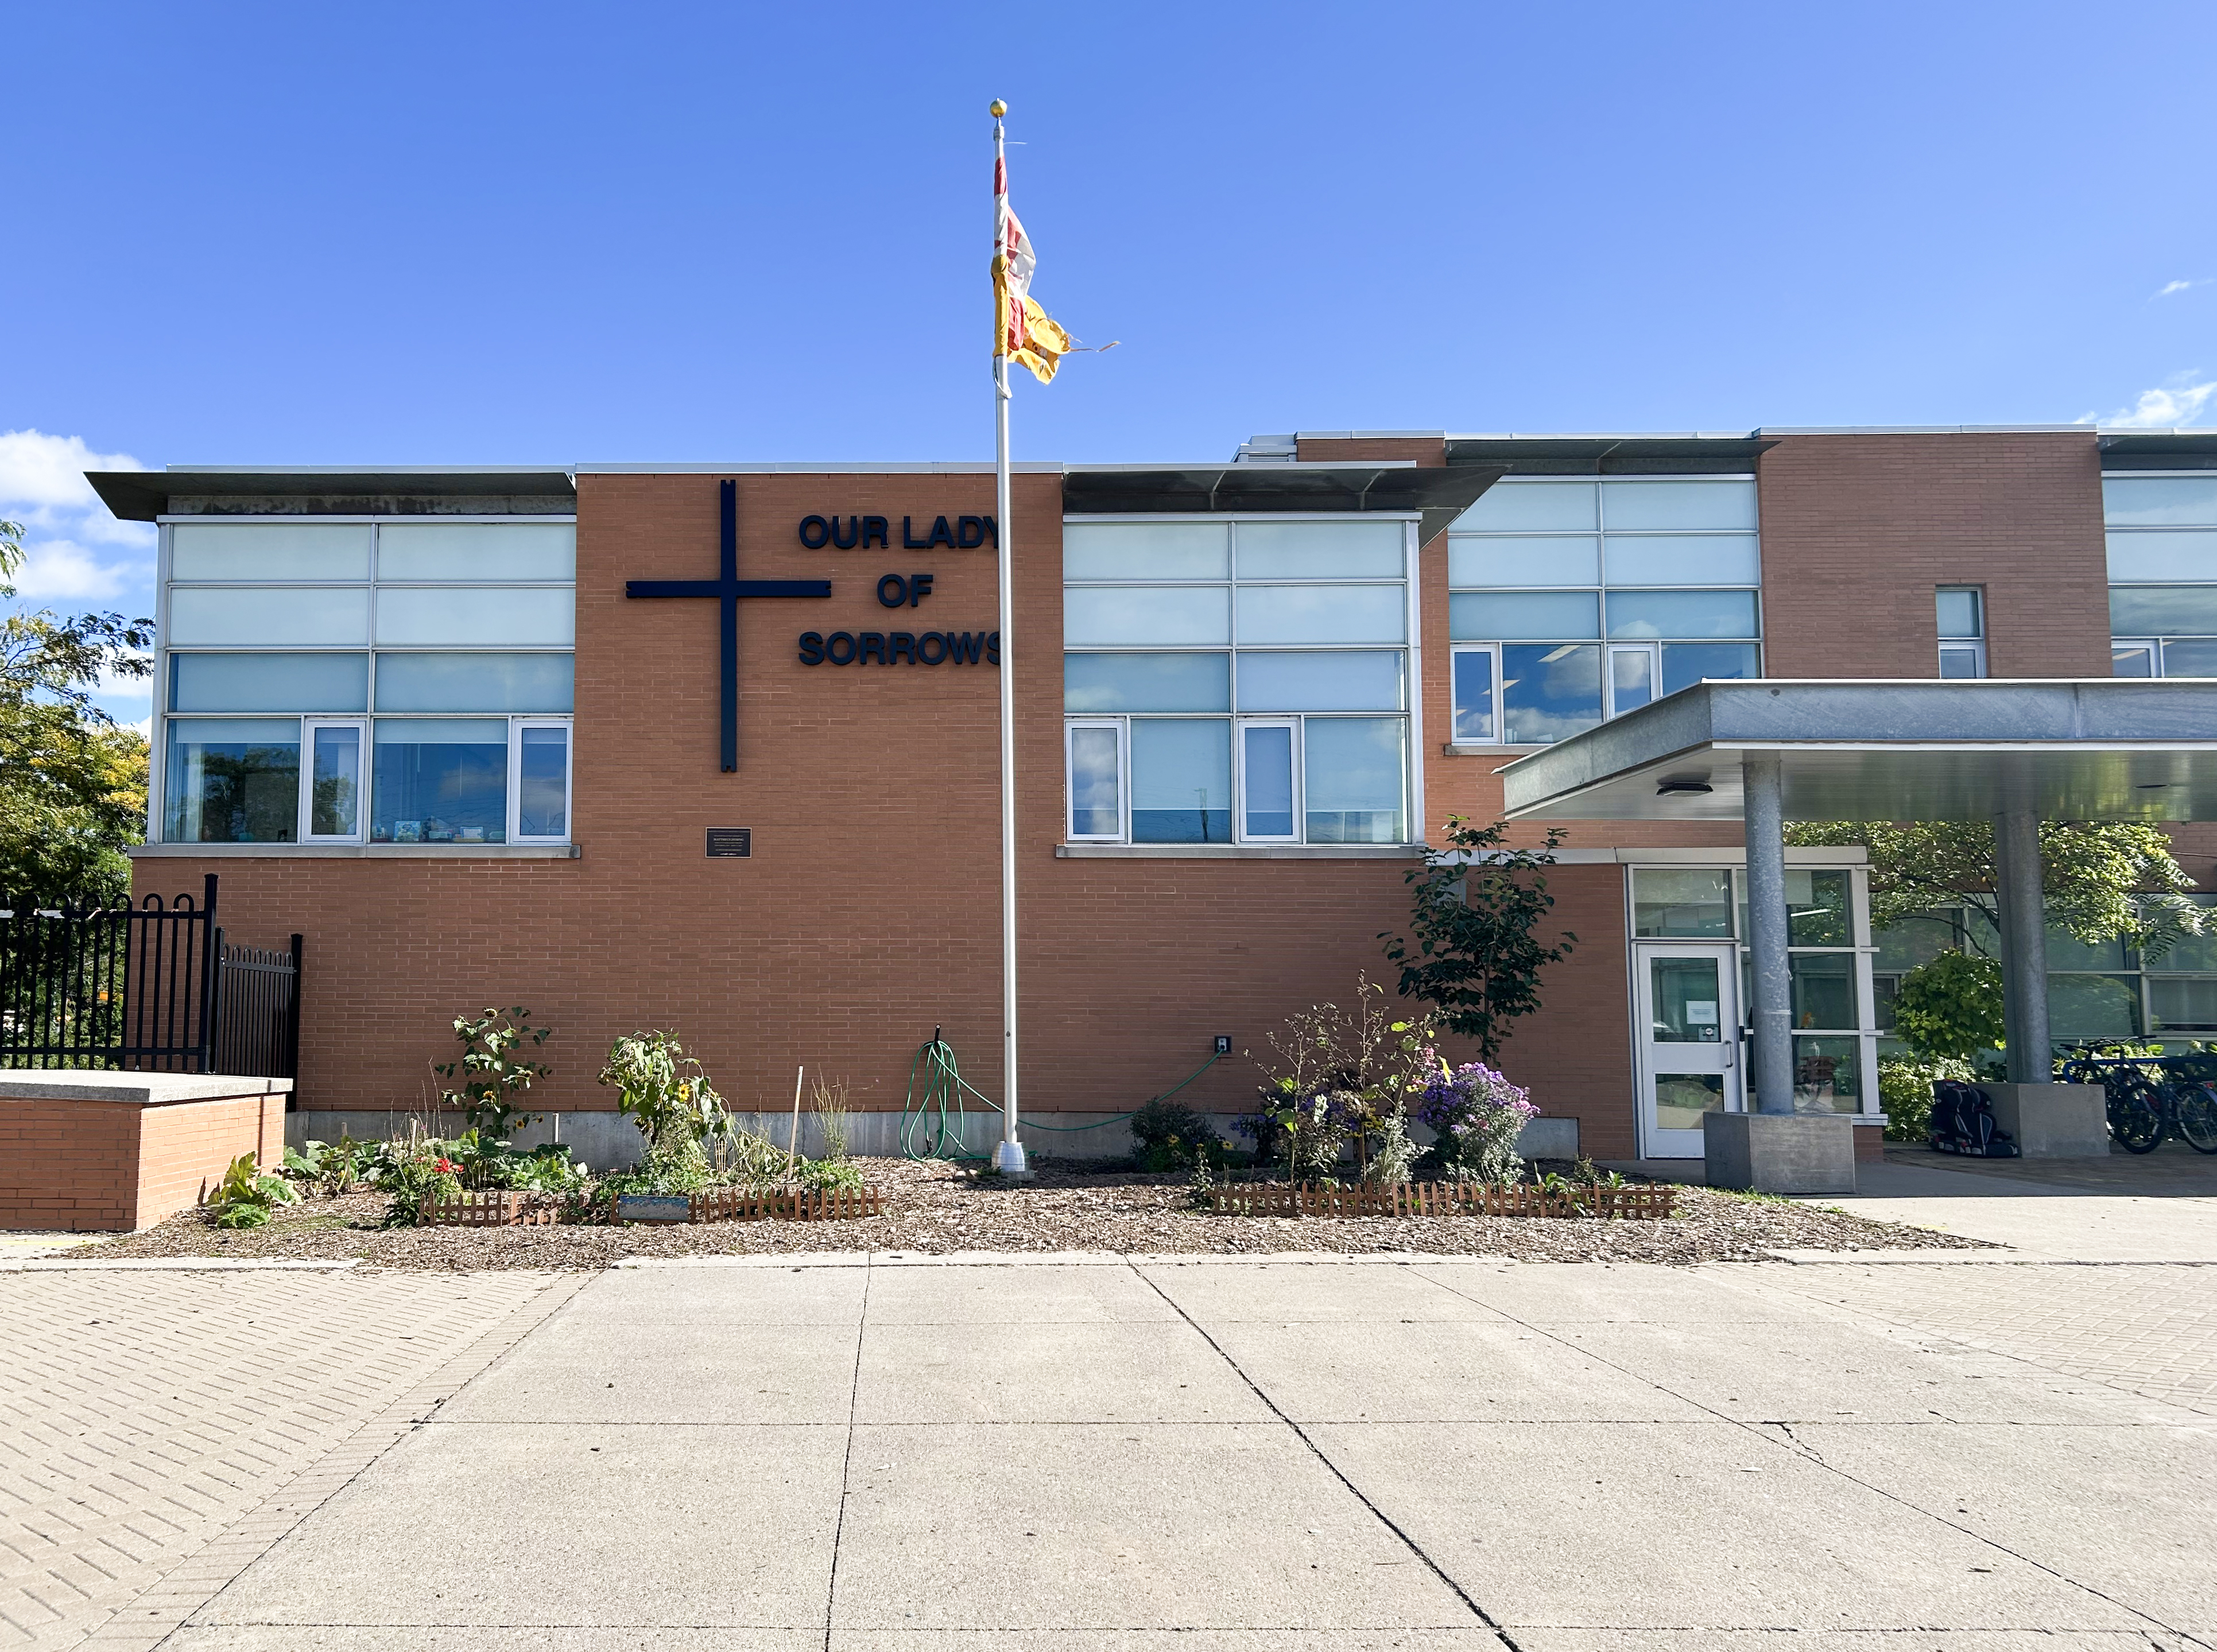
{"type": "Point", "coordinates": [487, 1208]}
{"type": "Point", "coordinates": [792, 1205]}
{"type": "Point", "coordinates": [1644, 1202]}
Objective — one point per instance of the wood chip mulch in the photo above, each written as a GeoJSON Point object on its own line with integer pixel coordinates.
{"type": "Point", "coordinates": [935, 1209]}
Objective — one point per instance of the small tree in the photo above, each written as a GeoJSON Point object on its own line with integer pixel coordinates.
{"type": "Point", "coordinates": [492, 1074]}
{"type": "Point", "coordinates": [1474, 950]}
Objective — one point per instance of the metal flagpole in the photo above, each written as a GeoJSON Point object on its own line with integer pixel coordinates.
{"type": "Point", "coordinates": [1009, 1160]}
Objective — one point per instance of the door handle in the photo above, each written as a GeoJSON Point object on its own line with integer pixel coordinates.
{"type": "Point", "coordinates": [1732, 1055]}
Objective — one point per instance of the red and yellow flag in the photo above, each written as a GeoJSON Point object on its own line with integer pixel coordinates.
{"type": "Point", "coordinates": [1021, 331]}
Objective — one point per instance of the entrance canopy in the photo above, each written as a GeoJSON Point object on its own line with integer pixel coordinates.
{"type": "Point", "coordinates": [2099, 749]}
{"type": "Point", "coordinates": [2014, 753]}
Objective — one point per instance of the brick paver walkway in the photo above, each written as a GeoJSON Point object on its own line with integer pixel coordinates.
{"type": "Point", "coordinates": [145, 1416]}
{"type": "Point", "coordinates": [2146, 1328]}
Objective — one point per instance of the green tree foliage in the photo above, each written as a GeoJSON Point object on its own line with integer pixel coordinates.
{"type": "Point", "coordinates": [72, 780]}
{"type": "Point", "coordinates": [2104, 881]}
{"type": "Point", "coordinates": [1474, 950]}
{"type": "Point", "coordinates": [1951, 1006]}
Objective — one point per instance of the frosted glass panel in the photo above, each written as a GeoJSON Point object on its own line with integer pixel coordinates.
{"type": "Point", "coordinates": [2136, 557]}
{"type": "Point", "coordinates": [2163, 610]}
{"type": "Point", "coordinates": [1687, 663]}
{"type": "Point", "coordinates": [1336, 682]}
{"type": "Point", "coordinates": [1322, 613]}
{"type": "Point", "coordinates": [477, 550]}
{"type": "Point", "coordinates": [1687, 559]}
{"type": "Point", "coordinates": [1691, 505]}
{"type": "Point", "coordinates": [2159, 500]}
{"type": "Point", "coordinates": [475, 683]}
{"type": "Point", "coordinates": [276, 614]}
{"type": "Point", "coordinates": [1320, 551]}
{"type": "Point", "coordinates": [1681, 614]}
{"type": "Point", "coordinates": [1527, 505]}
{"type": "Point", "coordinates": [1108, 614]}
{"type": "Point", "coordinates": [269, 682]}
{"type": "Point", "coordinates": [1146, 682]}
{"type": "Point", "coordinates": [478, 614]}
{"type": "Point", "coordinates": [1509, 560]}
{"type": "Point", "coordinates": [1355, 779]}
{"type": "Point", "coordinates": [270, 551]}
{"type": "Point", "coordinates": [1145, 550]}
{"type": "Point", "coordinates": [1486, 616]}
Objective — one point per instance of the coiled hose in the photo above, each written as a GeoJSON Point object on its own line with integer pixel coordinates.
{"type": "Point", "coordinates": [932, 1123]}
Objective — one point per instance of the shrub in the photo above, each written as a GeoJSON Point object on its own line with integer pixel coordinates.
{"type": "Point", "coordinates": [247, 1195]}
{"type": "Point", "coordinates": [492, 1076]}
{"type": "Point", "coordinates": [1169, 1136]}
{"type": "Point", "coordinates": [1951, 1006]}
{"type": "Point", "coordinates": [1478, 1115]}
{"type": "Point", "coordinates": [1904, 1090]}
{"type": "Point", "coordinates": [1338, 1077]}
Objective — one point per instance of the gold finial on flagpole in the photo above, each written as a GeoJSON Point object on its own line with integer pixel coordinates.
{"type": "Point", "coordinates": [997, 109]}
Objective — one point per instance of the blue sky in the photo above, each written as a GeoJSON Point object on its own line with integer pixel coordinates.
{"type": "Point", "coordinates": [479, 233]}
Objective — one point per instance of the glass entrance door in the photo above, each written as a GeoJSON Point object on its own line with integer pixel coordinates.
{"type": "Point", "coordinates": [1688, 1041]}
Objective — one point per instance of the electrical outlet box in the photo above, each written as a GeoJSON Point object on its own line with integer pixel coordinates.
{"type": "Point", "coordinates": [1224, 1044]}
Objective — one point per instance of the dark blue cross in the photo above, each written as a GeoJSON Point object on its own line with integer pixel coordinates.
{"type": "Point", "coordinates": [729, 586]}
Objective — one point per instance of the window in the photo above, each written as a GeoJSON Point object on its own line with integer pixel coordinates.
{"type": "Point", "coordinates": [288, 718]}
{"type": "Point", "coordinates": [1237, 681]}
{"type": "Point", "coordinates": [1577, 599]}
{"type": "Point", "coordinates": [1961, 612]}
{"type": "Point", "coordinates": [2162, 533]}
{"type": "Point", "coordinates": [1831, 1063]}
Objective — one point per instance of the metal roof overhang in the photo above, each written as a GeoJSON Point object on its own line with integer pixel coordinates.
{"type": "Point", "coordinates": [2097, 750]}
{"type": "Point", "coordinates": [1652, 455]}
{"type": "Point", "coordinates": [142, 495]}
{"type": "Point", "coordinates": [1438, 494]}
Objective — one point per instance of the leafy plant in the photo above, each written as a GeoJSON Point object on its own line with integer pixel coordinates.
{"type": "Point", "coordinates": [247, 1195]}
{"type": "Point", "coordinates": [1951, 1006]}
{"type": "Point", "coordinates": [415, 1167]}
{"type": "Point", "coordinates": [331, 1168]}
{"type": "Point", "coordinates": [1904, 1091]}
{"type": "Point", "coordinates": [1335, 1077]}
{"type": "Point", "coordinates": [492, 1073]}
{"type": "Point", "coordinates": [662, 1091]}
{"type": "Point", "coordinates": [1473, 951]}
{"type": "Point", "coordinates": [1169, 1136]}
{"type": "Point", "coordinates": [1478, 1115]}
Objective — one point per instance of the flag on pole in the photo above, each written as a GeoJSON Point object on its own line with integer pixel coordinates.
{"type": "Point", "coordinates": [1021, 331]}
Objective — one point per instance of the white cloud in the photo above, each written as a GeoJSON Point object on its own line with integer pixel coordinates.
{"type": "Point", "coordinates": [75, 552]}
{"type": "Point", "coordinates": [2168, 407]}
{"type": "Point", "coordinates": [2169, 288]}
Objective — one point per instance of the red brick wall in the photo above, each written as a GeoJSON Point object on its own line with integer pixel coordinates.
{"type": "Point", "coordinates": [1858, 530]}
{"type": "Point", "coordinates": [85, 1167]}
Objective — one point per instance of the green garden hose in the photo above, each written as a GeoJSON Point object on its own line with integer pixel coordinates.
{"type": "Point", "coordinates": [932, 1123]}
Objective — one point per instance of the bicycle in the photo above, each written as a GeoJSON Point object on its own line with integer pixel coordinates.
{"type": "Point", "coordinates": [2178, 1098]}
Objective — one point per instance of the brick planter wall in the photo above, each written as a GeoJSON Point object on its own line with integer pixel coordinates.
{"type": "Point", "coordinates": [112, 1152]}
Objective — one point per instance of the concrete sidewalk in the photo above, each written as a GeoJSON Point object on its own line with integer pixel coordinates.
{"type": "Point", "coordinates": [861, 1453]}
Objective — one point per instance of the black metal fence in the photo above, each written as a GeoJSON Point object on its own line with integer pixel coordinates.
{"type": "Point", "coordinates": [151, 988]}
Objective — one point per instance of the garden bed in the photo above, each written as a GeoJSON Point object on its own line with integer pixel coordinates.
{"type": "Point", "coordinates": [935, 1209]}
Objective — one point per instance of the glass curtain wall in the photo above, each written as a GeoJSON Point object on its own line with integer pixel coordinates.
{"type": "Point", "coordinates": [1577, 599]}
{"type": "Point", "coordinates": [1834, 1045]}
{"type": "Point", "coordinates": [1236, 680]}
{"type": "Point", "coordinates": [404, 681]}
{"type": "Point", "coordinates": [2096, 992]}
{"type": "Point", "coordinates": [2162, 535]}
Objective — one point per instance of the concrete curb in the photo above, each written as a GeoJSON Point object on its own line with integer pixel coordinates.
{"type": "Point", "coordinates": [177, 1265]}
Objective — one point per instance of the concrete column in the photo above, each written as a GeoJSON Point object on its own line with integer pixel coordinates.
{"type": "Point", "coordinates": [1763, 812]}
{"type": "Point", "coordinates": [2024, 944]}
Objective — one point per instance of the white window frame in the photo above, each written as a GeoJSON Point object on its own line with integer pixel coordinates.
{"type": "Point", "coordinates": [1122, 725]}
{"type": "Point", "coordinates": [516, 726]}
{"type": "Point", "coordinates": [1454, 710]}
{"type": "Point", "coordinates": [1975, 646]}
{"type": "Point", "coordinates": [1610, 710]}
{"type": "Point", "coordinates": [1239, 727]}
{"type": "Point", "coordinates": [302, 832]}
